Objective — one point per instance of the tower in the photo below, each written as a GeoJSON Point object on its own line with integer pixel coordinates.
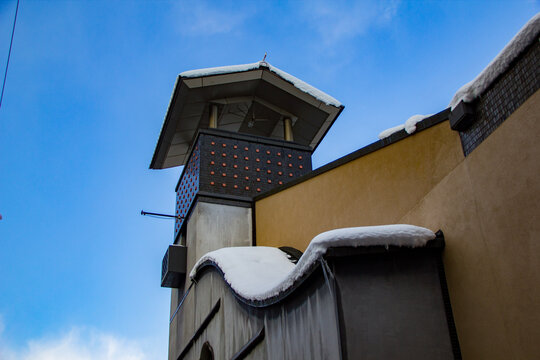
{"type": "Point", "coordinates": [239, 131]}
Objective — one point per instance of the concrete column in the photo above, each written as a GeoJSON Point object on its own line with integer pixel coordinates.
{"type": "Point", "coordinates": [213, 116]}
{"type": "Point", "coordinates": [287, 127]}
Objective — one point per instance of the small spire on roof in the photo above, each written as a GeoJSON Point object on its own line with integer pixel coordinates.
{"type": "Point", "coordinates": [263, 61]}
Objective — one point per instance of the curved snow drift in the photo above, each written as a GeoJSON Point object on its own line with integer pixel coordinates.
{"type": "Point", "coordinates": [260, 273]}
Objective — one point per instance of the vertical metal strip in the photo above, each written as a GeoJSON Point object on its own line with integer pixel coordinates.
{"type": "Point", "coordinates": [330, 282]}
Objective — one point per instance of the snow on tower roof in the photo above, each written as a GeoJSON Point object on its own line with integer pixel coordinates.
{"type": "Point", "coordinates": [259, 273]}
{"type": "Point", "coordinates": [299, 84]}
{"type": "Point", "coordinates": [470, 91]}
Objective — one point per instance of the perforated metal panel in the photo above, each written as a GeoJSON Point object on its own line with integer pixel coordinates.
{"type": "Point", "coordinates": [239, 166]}
{"type": "Point", "coordinates": [187, 188]}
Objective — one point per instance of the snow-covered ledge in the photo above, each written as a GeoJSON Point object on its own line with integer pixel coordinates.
{"type": "Point", "coordinates": [260, 273]}
{"type": "Point", "coordinates": [470, 91]}
{"type": "Point", "coordinates": [409, 126]}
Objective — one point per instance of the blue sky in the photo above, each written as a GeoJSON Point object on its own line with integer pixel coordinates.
{"type": "Point", "coordinates": [87, 89]}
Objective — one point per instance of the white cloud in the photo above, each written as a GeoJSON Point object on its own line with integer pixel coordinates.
{"type": "Point", "coordinates": [341, 20]}
{"type": "Point", "coordinates": [77, 344]}
{"type": "Point", "coordinates": [196, 18]}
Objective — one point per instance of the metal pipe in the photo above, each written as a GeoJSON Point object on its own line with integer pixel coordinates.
{"type": "Point", "coordinates": [287, 127]}
{"type": "Point", "coordinates": [213, 117]}
{"type": "Point", "coordinates": [161, 215]}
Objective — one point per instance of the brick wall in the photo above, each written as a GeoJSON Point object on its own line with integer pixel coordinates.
{"type": "Point", "coordinates": [503, 97]}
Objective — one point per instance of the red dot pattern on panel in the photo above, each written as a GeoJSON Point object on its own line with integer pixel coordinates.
{"type": "Point", "coordinates": [250, 167]}
{"type": "Point", "coordinates": [187, 187]}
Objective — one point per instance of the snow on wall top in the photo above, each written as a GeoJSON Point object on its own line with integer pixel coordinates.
{"type": "Point", "coordinates": [470, 91]}
{"type": "Point", "coordinates": [260, 273]}
{"type": "Point", "coordinates": [299, 84]}
{"type": "Point", "coordinates": [409, 126]}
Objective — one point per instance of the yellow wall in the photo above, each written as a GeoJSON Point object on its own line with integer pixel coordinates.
{"type": "Point", "coordinates": [487, 204]}
{"type": "Point", "coordinates": [378, 188]}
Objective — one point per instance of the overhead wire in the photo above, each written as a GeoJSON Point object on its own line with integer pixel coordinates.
{"type": "Point", "coordinates": [9, 52]}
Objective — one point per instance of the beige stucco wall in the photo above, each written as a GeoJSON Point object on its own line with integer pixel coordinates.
{"type": "Point", "coordinates": [487, 204]}
{"type": "Point", "coordinates": [489, 209]}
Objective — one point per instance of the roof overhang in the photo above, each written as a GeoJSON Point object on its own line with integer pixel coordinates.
{"type": "Point", "coordinates": [257, 87]}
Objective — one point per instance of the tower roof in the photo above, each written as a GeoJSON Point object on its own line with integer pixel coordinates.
{"type": "Point", "coordinates": [251, 99]}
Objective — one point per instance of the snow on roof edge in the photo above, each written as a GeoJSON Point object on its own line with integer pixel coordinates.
{"type": "Point", "coordinates": [470, 91]}
{"type": "Point", "coordinates": [409, 126]}
{"type": "Point", "coordinates": [260, 273]}
{"type": "Point", "coordinates": [299, 84]}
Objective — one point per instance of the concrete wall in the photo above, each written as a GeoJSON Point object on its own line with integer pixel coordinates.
{"type": "Point", "coordinates": [214, 226]}
{"type": "Point", "coordinates": [487, 204]}
{"type": "Point", "coordinates": [210, 227]}
{"type": "Point", "coordinates": [299, 327]}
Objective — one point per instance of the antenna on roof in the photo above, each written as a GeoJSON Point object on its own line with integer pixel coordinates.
{"type": "Point", "coordinates": [263, 61]}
